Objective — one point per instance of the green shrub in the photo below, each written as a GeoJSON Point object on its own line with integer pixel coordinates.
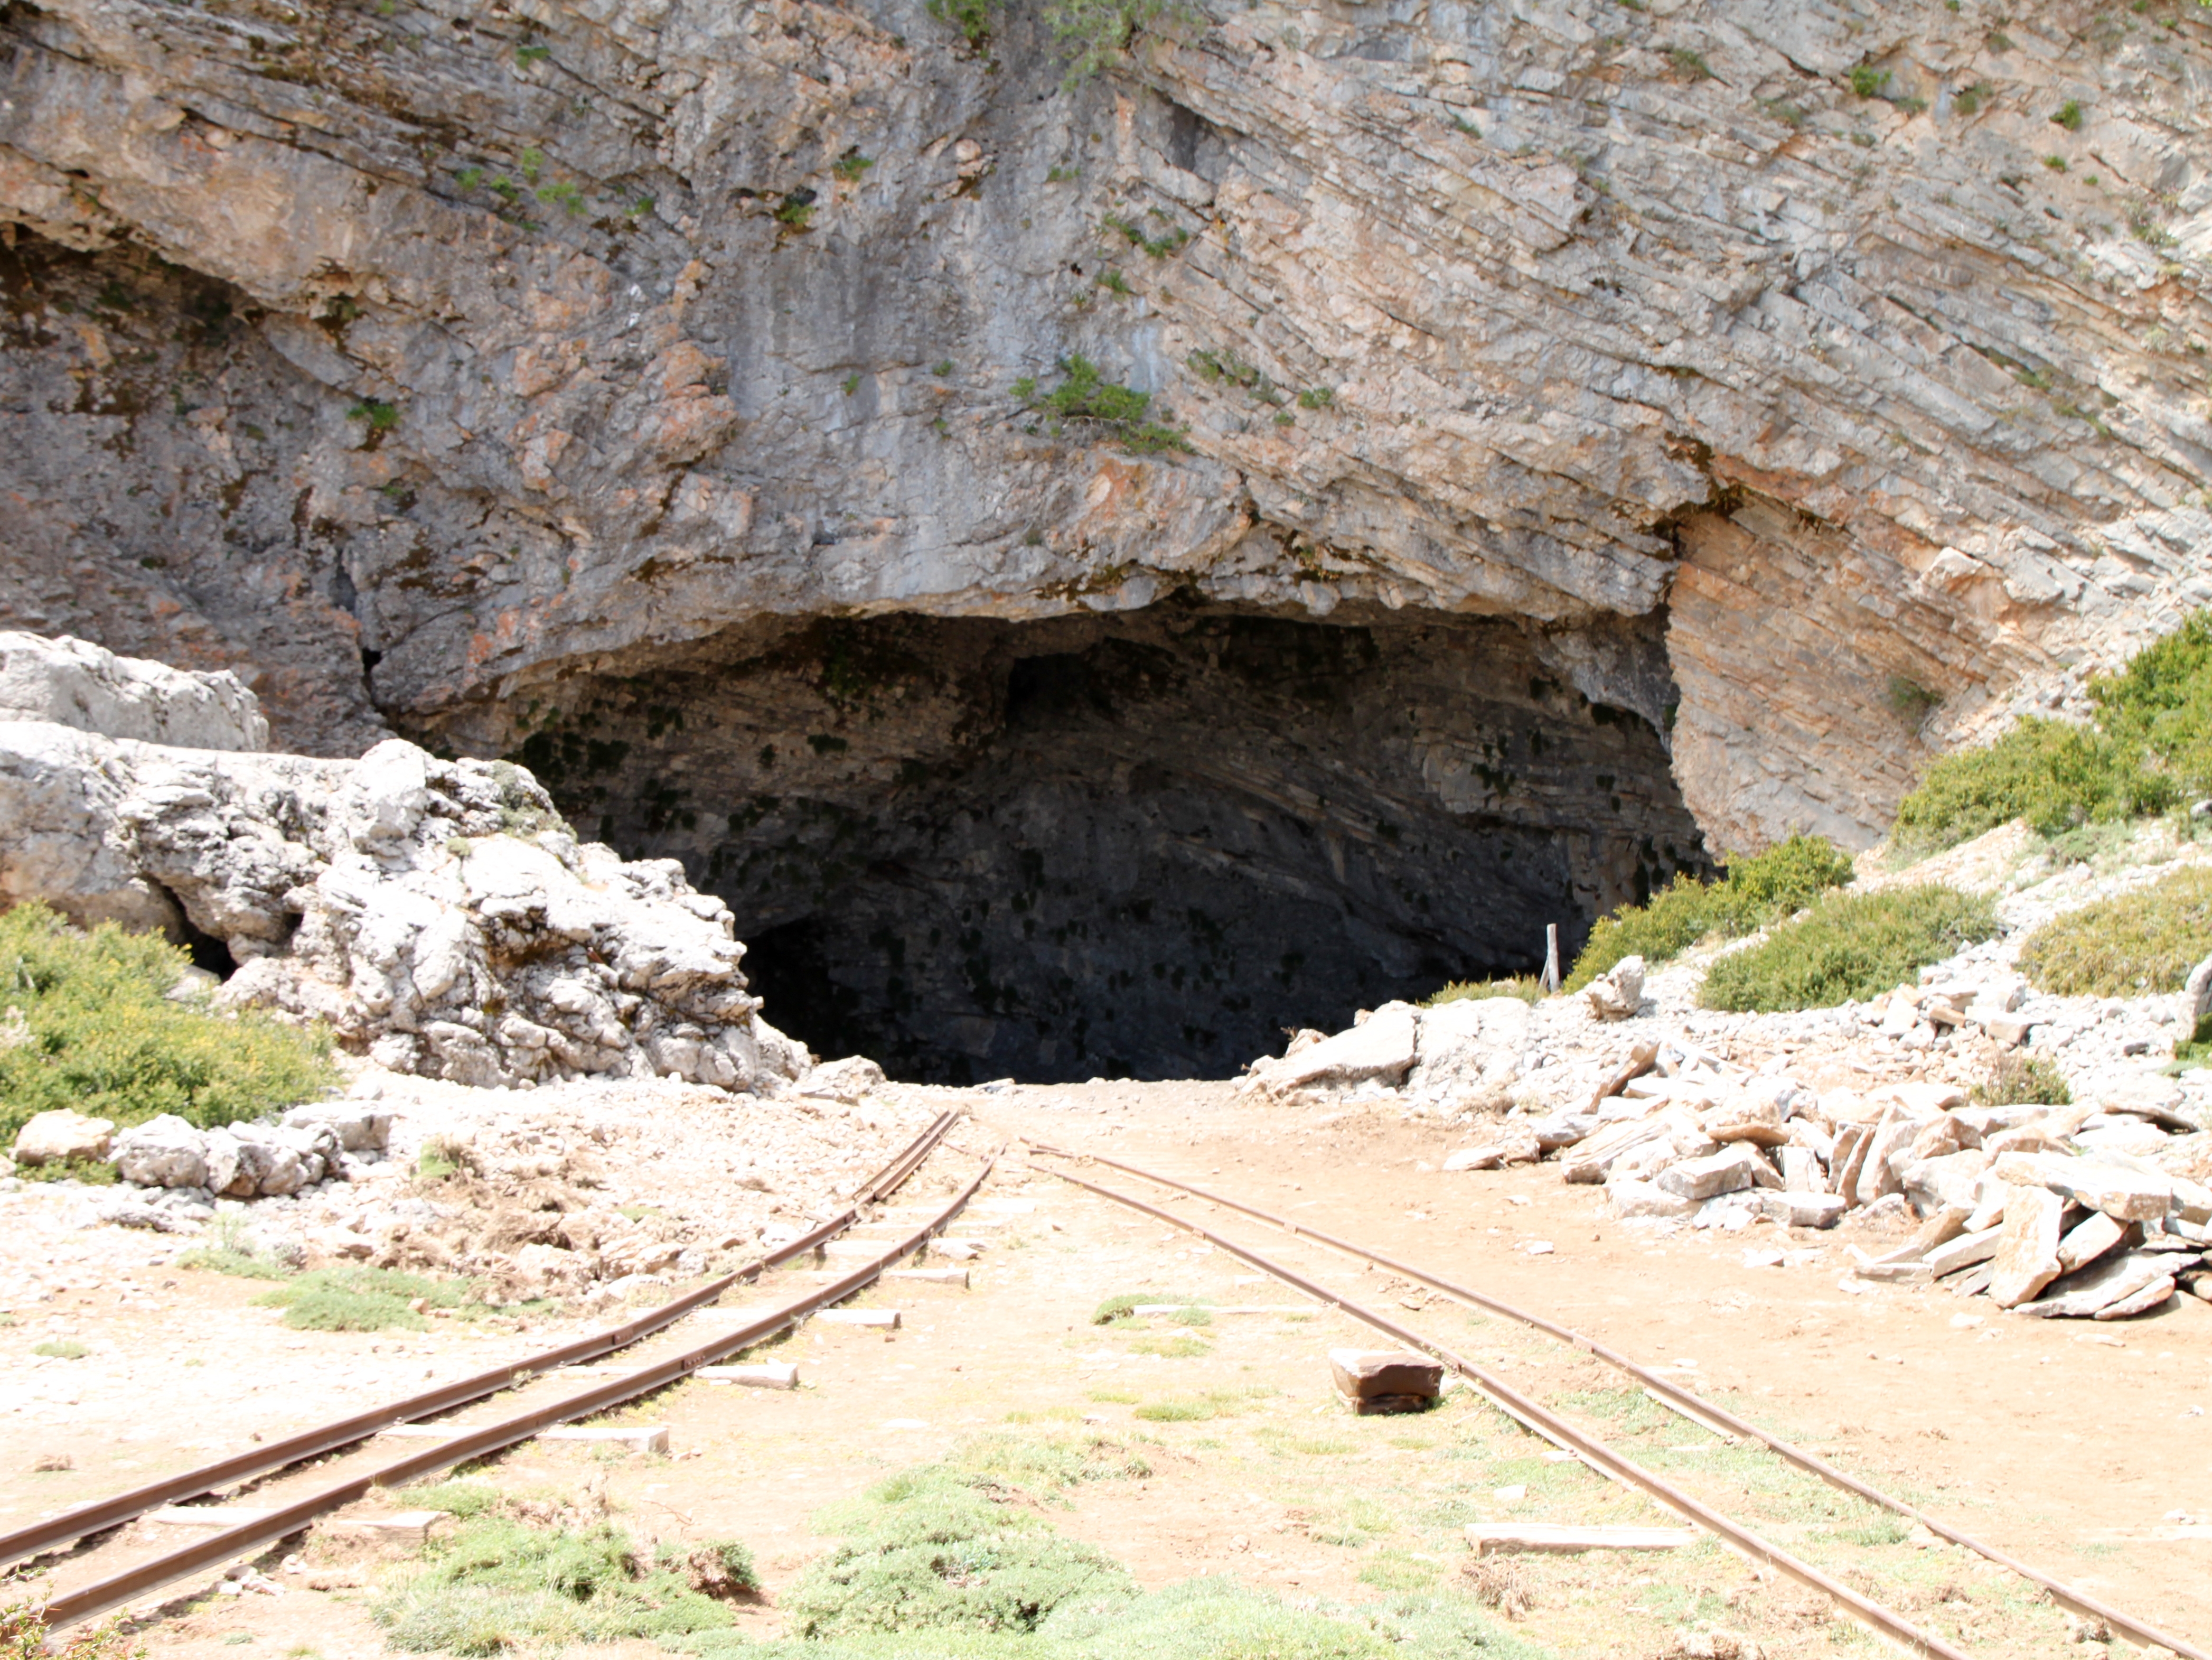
{"type": "Point", "coordinates": [1095, 33]}
{"type": "Point", "coordinates": [1756, 892]}
{"type": "Point", "coordinates": [2148, 750]}
{"type": "Point", "coordinates": [498, 1586]}
{"type": "Point", "coordinates": [99, 1034]}
{"type": "Point", "coordinates": [62, 1348]}
{"type": "Point", "coordinates": [1086, 395]}
{"type": "Point", "coordinates": [1528, 988]}
{"type": "Point", "coordinates": [1113, 1309]}
{"type": "Point", "coordinates": [2023, 1080]}
{"type": "Point", "coordinates": [2131, 945]}
{"type": "Point", "coordinates": [1853, 945]}
{"type": "Point", "coordinates": [364, 1300]}
{"type": "Point", "coordinates": [1185, 1410]}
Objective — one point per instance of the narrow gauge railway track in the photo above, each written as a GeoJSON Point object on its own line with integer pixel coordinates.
{"type": "Point", "coordinates": [1542, 1420]}
{"type": "Point", "coordinates": [116, 1589]}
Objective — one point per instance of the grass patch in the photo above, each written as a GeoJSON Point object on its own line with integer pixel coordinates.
{"type": "Point", "coordinates": [943, 1547]}
{"type": "Point", "coordinates": [231, 1260]}
{"type": "Point", "coordinates": [2129, 945]}
{"type": "Point", "coordinates": [1178, 1348]}
{"type": "Point", "coordinates": [1185, 1409]}
{"type": "Point", "coordinates": [1853, 945]}
{"type": "Point", "coordinates": [499, 1585]}
{"type": "Point", "coordinates": [1754, 893]}
{"type": "Point", "coordinates": [2146, 749]}
{"type": "Point", "coordinates": [1528, 988]}
{"type": "Point", "coordinates": [462, 1497]}
{"type": "Point", "coordinates": [1116, 1397]}
{"type": "Point", "coordinates": [62, 1348]}
{"type": "Point", "coordinates": [98, 1034]}
{"type": "Point", "coordinates": [2023, 1080]}
{"type": "Point", "coordinates": [365, 1299]}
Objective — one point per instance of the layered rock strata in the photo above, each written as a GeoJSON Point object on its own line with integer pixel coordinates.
{"type": "Point", "coordinates": [411, 360]}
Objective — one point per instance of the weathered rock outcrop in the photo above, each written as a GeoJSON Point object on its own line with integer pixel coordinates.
{"type": "Point", "coordinates": [74, 683]}
{"type": "Point", "coordinates": [509, 342]}
{"type": "Point", "coordinates": [438, 916]}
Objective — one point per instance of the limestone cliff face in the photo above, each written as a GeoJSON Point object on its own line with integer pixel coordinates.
{"type": "Point", "coordinates": [434, 362]}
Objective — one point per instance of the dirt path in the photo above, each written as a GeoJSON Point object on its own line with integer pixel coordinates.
{"type": "Point", "coordinates": [2066, 1445]}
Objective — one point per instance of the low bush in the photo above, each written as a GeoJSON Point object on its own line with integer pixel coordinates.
{"type": "Point", "coordinates": [1528, 988]}
{"type": "Point", "coordinates": [498, 1586]}
{"type": "Point", "coordinates": [2023, 1080]}
{"type": "Point", "coordinates": [931, 1550]}
{"type": "Point", "coordinates": [86, 1023]}
{"type": "Point", "coordinates": [2129, 945]}
{"type": "Point", "coordinates": [1853, 945]}
{"type": "Point", "coordinates": [1754, 893]}
{"type": "Point", "coordinates": [365, 1299]}
{"type": "Point", "coordinates": [62, 1348]}
{"type": "Point", "coordinates": [2146, 749]}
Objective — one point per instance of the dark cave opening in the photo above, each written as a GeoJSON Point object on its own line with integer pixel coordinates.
{"type": "Point", "coordinates": [1145, 844]}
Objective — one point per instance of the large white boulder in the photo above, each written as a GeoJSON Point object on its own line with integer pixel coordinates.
{"type": "Point", "coordinates": [1381, 1046]}
{"type": "Point", "coordinates": [438, 914]}
{"type": "Point", "coordinates": [56, 1137]}
{"type": "Point", "coordinates": [74, 683]}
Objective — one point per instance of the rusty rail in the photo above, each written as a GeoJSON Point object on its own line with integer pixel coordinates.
{"type": "Point", "coordinates": [100, 1515]}
{"type": "Point", "coordinates": [116, 1589]}
{"type": "Point", "coordinates": [1540, 1420]}
{"type": "Point", "coordinates": [1690, 1404]}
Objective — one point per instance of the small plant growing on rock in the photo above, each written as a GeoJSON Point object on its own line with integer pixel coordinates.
{"type": "Point", "coordinates": [1086, 395]}
{"type": "Point", "coordinates": [796, 210]}
{"type": "Point", "coordinates": [2069, 115]}
{"type": "Point", "coordinates": [381, 416]}
{"type": "Point", "coordinates": [972, 17]}
{"type": "Point", "coordinates": [1866, 81]}
{"type": "Point", "coordinates": [850, 166]}
{"type": "Point", "coordinates": [1690, 64]}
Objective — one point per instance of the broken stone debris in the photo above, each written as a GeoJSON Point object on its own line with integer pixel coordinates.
{"type": "Point", "coordinates": [1678, 1135]}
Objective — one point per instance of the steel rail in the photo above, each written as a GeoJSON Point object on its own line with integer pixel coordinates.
{"type": "Point", "coordinates": [1540, 1419]}
{"type": "Point", "coordinates": [100, 1515]}
{"type": "Point", "coordinates": [1690, 1404]}
{"type": "Point", "coordinates": [116, 1589]}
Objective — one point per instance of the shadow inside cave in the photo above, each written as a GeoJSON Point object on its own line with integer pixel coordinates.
{"type": "Point", "coordinates": [1140, 844]}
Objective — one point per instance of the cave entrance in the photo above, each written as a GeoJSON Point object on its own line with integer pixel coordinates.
{"type": "Point", "coordinates": [1143, 844]}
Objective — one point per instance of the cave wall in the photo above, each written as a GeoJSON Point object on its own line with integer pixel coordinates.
{"type": "Point", "coordinates": [572, 334]}
{"type": "Point", "coordinates": [1140, 843]}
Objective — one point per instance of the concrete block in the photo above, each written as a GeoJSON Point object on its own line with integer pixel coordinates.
{"type": "Point", "coordinates": [401, 1527]}
{"type": "Point", "coordinates": [210, 1517]}
{"type": "Point", "coordinates": [642, 1439]}
{"type": "Point", "coordinates": [1491, 1537]}
{"type": "Point", "coordinates": [768, 1375]}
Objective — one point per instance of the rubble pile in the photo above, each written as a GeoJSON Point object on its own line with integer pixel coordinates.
{"type": "Point", "coordinates": [584, 1191]}
{"type": "Point", "coordinates": [1872, 1112]}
